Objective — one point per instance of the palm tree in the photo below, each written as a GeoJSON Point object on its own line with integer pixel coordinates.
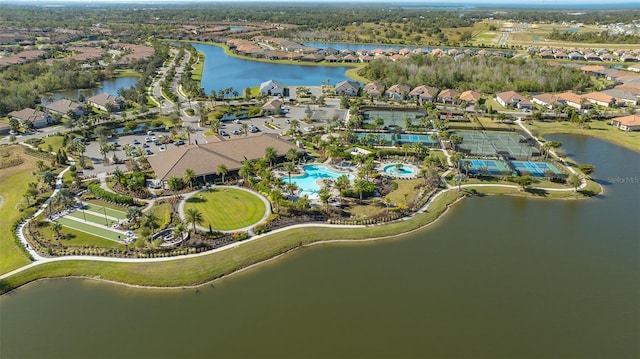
{"type": "Point", "coordinates": [149, 220]}
{"type": "Point", "coordinates": [189, 177]}
{"type": "Point", "coordinates": [360, 186]}
{"type": "Point", "coordinates": [222, 170]}
{"type": "Point", "coordinates": [325, 196]}
{"type": "Point", "coordinates": [193, 216]}
{"type": "Point", "coordinates": [292, 155]}
{"type": "Point", "coordinates": [289, 167]}
{"type": "Point", "coordinates": [276, 196]}
{"type": "Point", "coordinates": [174, 183]}
{"type": "Point", "coordinates": [188, 130]}
{"type": "Point", "coordinates": [178, 230]}
{"type": "Point", "coordinates": [117, 175]}
{"type": "Point", "coordinates": [466, 165]}
{"type": "Point", "coordinates": [56, 227]}
{"type": "Point", "coordinates": [291, 188]}
{"type": "Point", "coordinates": [134, 214]}
{"type": "Point", "coordinates": [270, 154]}
{"type": "Point", "coordinates": [244, 127]}
{"type": "Point", "coordinates": [342, 183]}
{"type": "Point", "coordinates": [202, 112]}
{"type": "Point", "coordinates": [294, 127]}
{"type": "Point", "coordinates": [246, 169]}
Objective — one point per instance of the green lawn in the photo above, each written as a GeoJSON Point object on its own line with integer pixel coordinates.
{"type": "Point", "coordinates": [54, 141]}
{"type": "Point", "coordinates": [92, 217]}
{"type": "Point", "coordinates": [163, 212]}
{"type": "Point", "coordinates": [76, 238]}
{"type": "Point", "coordinates": [599, 129]}
{"type": "Point", "coordinates": [227, 208]}
{"type": "Point", "coordinates": [111, 212]}
{"type": "Point", "coordinates": [13, 183]}
{"type": "Point", "coordinates": [405, 187]}
{"type": "Point", "coordinates": [90, 229]}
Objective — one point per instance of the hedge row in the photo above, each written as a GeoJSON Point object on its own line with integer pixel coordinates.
{"type": "Point", "coordinates": [110, 196]}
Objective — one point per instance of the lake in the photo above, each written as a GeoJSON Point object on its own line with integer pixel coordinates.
{"type": "Point", "coordinates": [496, 277]}
{"type": "Point", "coordinates": [110, 86]}
{"type": "Point", "coordinates": [221, 71]}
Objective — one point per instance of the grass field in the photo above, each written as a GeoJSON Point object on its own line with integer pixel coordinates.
{"type": "Point", "coordinates": [599, 129]}
{"type": "Point", "coordinates": [13, 183]}
{"type": "Point", "coordinates": [54, 141]}
{"type": "Point", "coordinates": [196, 74]}
{"type": "Point", "coordinates": [227, 208]}
{"type": "Point", "coordinates": [101, 209]}
{"type": "Point", "coordinates": [76, 238]}
{"type": "Point", "coordinates": [404, 187]}
{"type": "Point", "coordinates": [199, 270]}
{"type": "Point", "coordinates": [89, 228]}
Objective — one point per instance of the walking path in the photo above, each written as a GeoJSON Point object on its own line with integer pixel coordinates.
{"type": "Point", "coordinates": [39, 259]}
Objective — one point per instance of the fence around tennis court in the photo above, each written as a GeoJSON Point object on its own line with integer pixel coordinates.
{"type": "Point", "coordinates": [508, 145]}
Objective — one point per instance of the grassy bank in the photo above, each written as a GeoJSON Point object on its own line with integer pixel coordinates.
{"type": "Point", "coordinates": [196, 74]}
{"type": "Point", "coordinates": [599, 129]}
{"type": "Point", "coordinates": [192, 271]}
{"type": "Point", "coordinates": [590, 190]}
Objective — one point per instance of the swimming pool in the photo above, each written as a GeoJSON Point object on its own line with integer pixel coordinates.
{"type": "Point", "coordinates": [404, 171]}
{"type": "Point", "coordinates": [308, 182]}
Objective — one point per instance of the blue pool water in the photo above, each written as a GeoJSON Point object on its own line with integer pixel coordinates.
{"type": "Point", "coordinates": [312, 173]}
{"type": "Point", "coordinates": [404, 171]}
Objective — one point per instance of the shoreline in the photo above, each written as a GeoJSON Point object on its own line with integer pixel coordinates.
{"type": "Point", "coordinates": [276, 248]}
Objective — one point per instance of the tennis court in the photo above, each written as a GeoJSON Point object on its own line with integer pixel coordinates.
{"type": "Point", "coordinates": [506, 144]}
{"type": "Point", "coordinates": [537, 169]}
{"type": "Point", "coordinates": [391, 139]}
{"type": "Point", "coordinates": [109, 211]}
{"type": "Point", "coordinates": [492, 167]}
{"type": "Point", "coordinates": [95, 220]}
{"type": "Point", "coordinates": [392, 117]}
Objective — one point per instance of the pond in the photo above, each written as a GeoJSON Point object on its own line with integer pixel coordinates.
{"type": "Point", "coordinates": [221, 71]}
{"type": "Point", "coordinates": [496, 277]}
{"type": "Point", "coordinates": [110, 86]}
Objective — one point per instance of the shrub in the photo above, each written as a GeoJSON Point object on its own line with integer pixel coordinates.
{"type": "Point", "coordinates": [110, 196]}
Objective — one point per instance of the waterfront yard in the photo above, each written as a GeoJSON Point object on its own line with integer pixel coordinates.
{"type": "Point", "coordinates": [600, 129]}
{"type": "Point", "coordinates": [227, 208]}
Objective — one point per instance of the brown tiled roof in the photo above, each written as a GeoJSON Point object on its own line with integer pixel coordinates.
{"type": "Point", "coordinates": [570, 97]}
{"type": "Point", "coordinates": [631, 120]}
{"type": "Point", "coordinates": [470, 95]}
{"type": "Point", "coordinates": [205, 159]}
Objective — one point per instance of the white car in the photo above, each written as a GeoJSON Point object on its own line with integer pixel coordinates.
{"type": "Point", "coordinates": [162, 148]}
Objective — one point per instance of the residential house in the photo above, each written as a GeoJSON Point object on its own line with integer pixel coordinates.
{"type": "Point", "coordinates": [350, 58]}
{"type": "Point", "coordinates": [512, 98]}
{"type": "Point", "coordinates": [622, 98]}
{"type": "Point", "coordinates": [547, 100]}
{"type": "Point", "coordinates": [470, 97]}
{"type": "Point", "coordinates": [272, 88]}
{"type": "Point", "coordinates": [312, 58]}
{"type": "Point", "coordinates": [349, 88]}
{"type": "Point", "coordinates": [64, 107]}
{"type": "Point", "coordinates": [424, 93]}
{"type": "Point", "coordinates": [105, 102]}
{"type": "Point", "coordinates": [447, 96]}
{"type": "Point", "coordinates": [30, 117]}
{"type": "Point", "coordinates": [560, 55]}
{"type": "Point", "coordinates": [546, 55]}
{"type": "Point", "coordinates": [573, 100]}
{"type": "Point", "coordinates": [397, 91]}
{"type": "Point", "coordinates": [373, 89]}
{"type": "Point", "coordinates": [575, 55]}
{"type": "Point", "coordinates": [600, 98]}
{"type": "Point", "coordinates": [272, 107]}
{"type": "Point", "coordinates": [627, 123]}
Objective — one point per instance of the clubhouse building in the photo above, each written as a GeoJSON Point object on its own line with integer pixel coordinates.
{"type": "Point", "coordinates": [204, 159]}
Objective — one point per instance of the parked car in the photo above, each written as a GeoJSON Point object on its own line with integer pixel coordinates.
{"type": "Point", "coordinates": [148, 152]}
{"type": "Point", "coordinates": [253, 129]}
{"type": "Point", "coordinates": [236, 121]}
{"type": "Point", "coordinates": [144, 145]}
{"type": "Point", "coordinates": [149, 133]}
{"type": "Point", "coordinates": [236, 132]}
{"type": "Point", "coordinates": [179, 143]}
{"type": "Point", "coordinates": [223, 133]}
{"type": "Point", "coordinates": [147, 139]}
{"type": "Point", "coordinates": [136, 142]}
{"type": "Point", "coordinates": [162, 148]}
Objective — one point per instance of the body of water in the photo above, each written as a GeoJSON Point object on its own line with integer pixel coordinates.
{"type": "Point", "coordinates": [308, 182]}
{"type": "Point", "coordinates": [496, 277]}
{"type": "Point", "coordinates": [110, 86]}
{"type": "Point", "coordinates": [221, 71]}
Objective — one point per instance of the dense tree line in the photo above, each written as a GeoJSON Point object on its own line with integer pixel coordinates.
{"type": "Point", "coordinates": [484, 74]}
{"type": "Point", "coordinates": [603, 37]}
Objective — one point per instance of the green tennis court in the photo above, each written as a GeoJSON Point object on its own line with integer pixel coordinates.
{"type": "Point", "coordinates": [507, 144]}
{"type": "Point", "coordinates": [103, 232]}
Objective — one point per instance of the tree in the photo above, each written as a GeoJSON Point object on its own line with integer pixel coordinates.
{"type": "Point", "coordinates": [56, 227]}
{"type": "Point", "coordinates": [246, 169]}
{"type": "Point", "coordinates": [466, 165]}
{"type": "Point", "coordinates": [574, 181]}
{"type": "Point", "coordinates": [174, 183]}
{"type": "Point", "coordinates": [189, 177]}
{"type": "Point", "coordinates": [291, 188]}
{"type": "Point", "coordinates": [134, 214]}
{"type": "Point", "coordinates": [244, 127]}
{"type": "Point", "coordinates": [276, 195]}
{"type": "Point", "coordinates": [188, 130]}
{"type": "Point", "coordinates": [342, 183]}
{"type": "Point", "coordinates": [524, 181]}
{"type": "Point", "coordinates": [289, 167]}
{"type": "Point", "coordinates": [49, 178]}
{"type": "Point", "coordinates": [325, 196]}
{"type": "Point", "coordinates": [270, 154]}
{"type": "Point", "coordinates": [360, 186]}
{"type": "Point", "coordinates": [150, 220]}
{"type": "Point", "coordinates": [222, 171]}
{"type": "Point", "coordinates": [292, 155]}
{"type": "Point", "coordinates": [455, 141]}
{"type": "Point", "coordinates": [587, 169]}
{"type": "Point", "coordinates": [193, 216]}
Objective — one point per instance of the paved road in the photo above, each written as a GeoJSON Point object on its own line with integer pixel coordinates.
{"type": "Point", "coordinates": [503, 39]}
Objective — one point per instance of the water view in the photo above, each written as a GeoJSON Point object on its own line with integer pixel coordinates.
{"type": "Point", "coordinates": [221, 71]}
{"type": "Point", "coordinates": [110, 86]}
{"type": "Point", "coordinates": [309, 182]}
{"type": "Point", "coordinates": [497, 277]}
